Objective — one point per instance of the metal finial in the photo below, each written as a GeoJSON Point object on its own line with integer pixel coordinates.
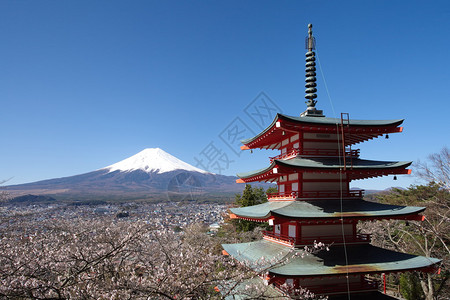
{"type": "Point", "coordinates": [310, 70]}
{"type": "Point", "coordinates": [311, 43]}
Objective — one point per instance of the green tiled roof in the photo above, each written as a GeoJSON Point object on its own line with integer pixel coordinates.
{"type": "Point", "coordinates": [337, 121]}
{"type": "Point", "coordinates": [329, 163]}
{"type": "Point", "coordinates": [326, 121]}
{"type": "Point", "coordinates": [256, 172]}
{"type": "Point", "coordinates": [259, 211]}
{"type": "Point", "coordinates": [335, 163]}
{"type": "Point", "coordinates": [374, 295]}
{"type": "Point", "coordinates": [241, 290]}
{"type": "Point", "coordinates": [325, 209]}
{"type": "Point", "coordinates": [356, 259]}
{"type": "Point", "coordinates": [257, 255]}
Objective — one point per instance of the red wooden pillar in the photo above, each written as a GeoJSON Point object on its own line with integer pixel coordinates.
{"type": "Point", "coordinates": [348, 183]}
{"type": "Point", "coordinates": [297, 232]}
{"type": "Point", "coordinates": [300, 184]}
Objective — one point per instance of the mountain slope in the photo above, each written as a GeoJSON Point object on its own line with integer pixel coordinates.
{"type": "Point", "coordinates": [151, 173]}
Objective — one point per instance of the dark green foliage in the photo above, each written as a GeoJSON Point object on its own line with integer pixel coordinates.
{"type": "Point", "coordinates": [87, 203]}
{"type": "Point", "coordinates": [122, 215]}
{"type": "Point", "coordinates": [244, 225]}
{"type": "Point", "coordinates": [410, 286]}
{"type": "Point", "coordinates": [250, 196]}
{"type": "Point", "coordinates": [271, 190]}
{"type": "Point", "coordinates": [32, 199]}
{"type": "Point", "coordinates": [415, 195]}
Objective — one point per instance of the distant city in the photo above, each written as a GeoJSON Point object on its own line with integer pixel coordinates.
{"type": "Point", "coordinates": [167, 215]}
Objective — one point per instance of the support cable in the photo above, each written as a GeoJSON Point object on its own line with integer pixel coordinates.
{"type": "Point", "coordinates": [340, 172]}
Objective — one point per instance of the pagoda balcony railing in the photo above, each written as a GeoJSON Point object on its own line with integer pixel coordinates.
{"type": "Point", "coordinates": [290, 154]}
{"type": "Point", "coordinates": [329, 152]}
{"type": "Point", "coordinates": [279, 237]}
{"type": "Point", "coordinates": [329, 289]}
{"type": "Point", "coordinates": [282, 196]}
{"type": "Point", "coordinates": [354, 194]}
{"type": "Point", "coordinates": [314, 152]}
{"type": "Point", "coordinates": [359, 238]}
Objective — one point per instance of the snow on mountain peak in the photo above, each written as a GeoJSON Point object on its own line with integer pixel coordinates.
{"type": "Point", "coordinates": [152, 160]}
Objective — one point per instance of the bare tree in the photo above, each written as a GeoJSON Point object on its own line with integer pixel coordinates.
{"type": "Point", "coordinates": [4, 195]}
{"type": "Point", "coordinates": [429, 238]}
{"type": "Point", "coordinates": [108, 258]}
{"type": "Point", "coordinates": [437, 168]}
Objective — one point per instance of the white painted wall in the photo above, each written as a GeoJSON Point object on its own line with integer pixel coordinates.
{"type": "Point", "coordinates": [292, 230]}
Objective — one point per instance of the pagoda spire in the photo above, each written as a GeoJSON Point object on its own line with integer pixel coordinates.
{"type": "Point", "coordinates": [310, 80]}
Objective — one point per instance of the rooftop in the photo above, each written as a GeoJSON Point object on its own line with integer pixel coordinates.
{"type": "Point", "coordinates": [360, 130]}
{"type": "Point", "coordinates": [329, 164]}
{"type": "Point", "coordinates": [326, 209]}
{"type": "Point", "coordinates": [340, 260]}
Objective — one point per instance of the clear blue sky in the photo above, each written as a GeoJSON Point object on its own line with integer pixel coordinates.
{"type": "Point", "coordinates": [84, 84]}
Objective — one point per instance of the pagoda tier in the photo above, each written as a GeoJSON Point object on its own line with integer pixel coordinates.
{"type": "Point", "coordinates": [301, 223]}
{"type": "Point", "coordinates": [326, 272]}
{"type": "Point", "coordinates": [360, 259]}
{"type": "Point", "coordinates": [320, 178]}
{"type": "Point", "coordinates": [354, 169]}
{"type": "Point", "coordinates": [308, 133]}
{"type": "Point", "coordinates": [326, 210]}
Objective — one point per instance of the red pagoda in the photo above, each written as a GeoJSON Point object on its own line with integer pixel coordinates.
{"type": "Point", "coordinates": [314, 203]}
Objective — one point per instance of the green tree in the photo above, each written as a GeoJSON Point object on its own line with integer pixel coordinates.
{"type": "Point", "coordinates": [250, 196]}
{"type": "Point", "coordinates": [410, 286]}
{"type": "Point", "coordinates": [271, 190]}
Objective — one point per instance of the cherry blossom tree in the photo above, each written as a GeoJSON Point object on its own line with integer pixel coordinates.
{"type": "Point", "coordinates": [109, 258]}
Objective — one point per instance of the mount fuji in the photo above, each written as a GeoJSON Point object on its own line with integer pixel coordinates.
{"type": "Point", "coordinates": [151, 174]}
{"type": "Point", "coordinates": [153, 160]}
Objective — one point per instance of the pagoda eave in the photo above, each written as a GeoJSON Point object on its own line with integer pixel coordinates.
{"type": "Point", "coordinates": [263, 219]}
{"type": "Point", "coordinates": [338, 261]}
{"type": "Point", "coordinates": [321, 211]}
{"type": "Point", "coordinates": [331, 220]}
{"type": "Point", "coordinates": [336, 164]}
{"type": "Point", "coordinates": [355, 169]}
{"type": "Point", "coordinates": [340, 218]}
{"type": "Point", "coordinates": [355, 131]}
{"type": "Point", "coordinates": [378, 173]}
{"type": "Point", "coordinates": [353, 173]}
{"type": "Point", "coordinates": [363, 270]}
{"type": "Point", "coordinates": [268, 174]}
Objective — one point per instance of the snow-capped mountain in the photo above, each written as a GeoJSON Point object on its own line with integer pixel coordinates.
{"type": "Point", "coordinates": [152, 160]}
{"type": "Point", "coordinates": [150, 174]}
